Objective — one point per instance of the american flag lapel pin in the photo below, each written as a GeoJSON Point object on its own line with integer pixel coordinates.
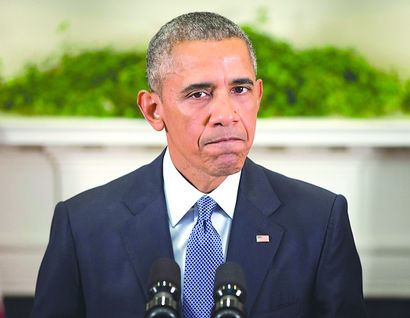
{"type": "Point", "coordinates": [262, 238]}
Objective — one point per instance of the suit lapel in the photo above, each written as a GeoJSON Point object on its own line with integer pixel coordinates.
{"type": "Point", "coordinates": [256, 202]}
{"type": "Point", "coordinates": [146, 234]}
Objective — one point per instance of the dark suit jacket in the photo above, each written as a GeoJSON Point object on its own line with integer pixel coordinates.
{"type": "Point", "coordinates": [103, 242]}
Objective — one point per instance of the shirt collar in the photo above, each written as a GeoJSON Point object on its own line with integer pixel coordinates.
{"type": "Point", "coordinates": [181, 195]}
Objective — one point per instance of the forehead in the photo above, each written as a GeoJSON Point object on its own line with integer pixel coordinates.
{"type": "Point", "coordinates": [204, 58]}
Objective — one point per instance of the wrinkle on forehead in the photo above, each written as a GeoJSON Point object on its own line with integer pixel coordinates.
{"type": "Point", "coordinates": [201, 61]}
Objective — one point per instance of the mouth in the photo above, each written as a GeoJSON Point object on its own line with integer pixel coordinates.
{"type": "Point", "coordinates": [224, 140]}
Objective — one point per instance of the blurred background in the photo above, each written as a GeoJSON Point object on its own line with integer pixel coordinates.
{"type": "Point", "coordinates": [335, 113]}
{"type": "Point", "coordinates": [377, 28]}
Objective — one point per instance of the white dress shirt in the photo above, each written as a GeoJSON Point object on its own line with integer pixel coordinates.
{"type": "Point", "coordinates": [181, 197]}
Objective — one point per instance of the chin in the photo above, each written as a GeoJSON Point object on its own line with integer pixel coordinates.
{"type": "Point", "coordinates": [227, 166]}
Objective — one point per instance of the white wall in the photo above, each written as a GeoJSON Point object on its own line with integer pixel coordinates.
{"type": "Point", "coordinates": [377, 28]}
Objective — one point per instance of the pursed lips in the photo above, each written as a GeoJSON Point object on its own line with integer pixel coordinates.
{"type": "Point", "coordinates": [224, 140]}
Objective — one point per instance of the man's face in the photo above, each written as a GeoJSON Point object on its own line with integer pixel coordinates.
{"type": "Point", "coordinates": [208, 105]}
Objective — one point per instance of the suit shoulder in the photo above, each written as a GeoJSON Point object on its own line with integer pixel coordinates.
{"type": "Point", "coordinates": [302, 204]}
{"type": "Point", "coordinates": [108, 190]}
{"type": "Point", "coordinates": [298, 185]}
{"type": "Point", "coordinates": [113, 191]}
{"type": "Point", "coordinates": [297, 193]}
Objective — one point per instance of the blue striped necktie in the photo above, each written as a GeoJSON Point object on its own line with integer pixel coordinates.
{"type": "Point", "coordinates": [203, 256]}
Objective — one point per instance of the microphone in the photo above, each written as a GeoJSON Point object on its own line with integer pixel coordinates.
{"type": "Point", "coordinates": [229, 292]}
{"type": "Point", "coordinates": [164, 285]}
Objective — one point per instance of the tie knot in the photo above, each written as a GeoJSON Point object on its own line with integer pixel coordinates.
{"type": "Point", "coordinates": [206, 205]}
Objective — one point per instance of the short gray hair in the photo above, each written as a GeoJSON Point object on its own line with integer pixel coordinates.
{"type": "Point", "coordinates": [194, 26]}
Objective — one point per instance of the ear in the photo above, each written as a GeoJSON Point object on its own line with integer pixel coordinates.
{"type": "Point", "coordinates": [259, 91]}
{"type": "Point", "coordinates": [150, 103]}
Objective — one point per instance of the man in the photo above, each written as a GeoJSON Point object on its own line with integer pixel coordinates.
{"type": "Point", "coordinates": [293, 240]}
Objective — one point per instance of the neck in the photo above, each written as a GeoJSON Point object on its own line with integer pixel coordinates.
{"type": "Point", "coordinates": [198, 178]}
{"type": "Point", "coordinates": [204, 183]}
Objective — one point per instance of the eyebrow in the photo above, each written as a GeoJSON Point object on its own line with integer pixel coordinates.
{"type": "Point", "coordinates": [242, 81]}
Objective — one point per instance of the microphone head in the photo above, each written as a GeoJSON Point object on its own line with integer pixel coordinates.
{"type": "Point", "coordinates": [229, 292]}
{"type": "Point", "coordinates": [164, 284]}
{"type": "Point", "coordinates": [165, 269]}
{"type": "Point", "coordinates": [229, 273]}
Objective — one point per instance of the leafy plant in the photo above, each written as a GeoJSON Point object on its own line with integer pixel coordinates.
{"type": "Point", "coordinates": [324, 81]}
{"type": "Point", "coordinates": [99, 82]}
{"type": "Point", "coordinates": [314, 82]}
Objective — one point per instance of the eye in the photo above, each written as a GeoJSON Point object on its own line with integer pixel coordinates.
{"type": "Point", "coordinates": [197, 95]}
{"type": "Point", "coordinates": [240, 90]}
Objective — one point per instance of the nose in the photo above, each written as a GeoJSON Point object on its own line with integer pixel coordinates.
{"type": "Point", "coordinates": [223, 111]}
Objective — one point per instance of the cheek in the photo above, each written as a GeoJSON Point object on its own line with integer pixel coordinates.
{"type": "Point", "coordinates": [188, 132]}
{"type": "Point", "coordinates": [194, 132]}
{"type": "Point", "coordinates": [248, 118]}
{"type": "Point", "coordinates": [248, 111]}
{"type": "Point", "coordinates": [249, 102]}
{"type": "Point", "coordinates": [250, 128]}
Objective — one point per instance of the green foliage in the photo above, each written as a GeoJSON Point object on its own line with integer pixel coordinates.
{"type": "Point", "coordinates": [323, 82]}
{"type": "Point", "coordinates": [315, 82]}
{"type": "Point", "coordinates": [99, 82]}
{"type": "Point", "coordinates": [406, 98]}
